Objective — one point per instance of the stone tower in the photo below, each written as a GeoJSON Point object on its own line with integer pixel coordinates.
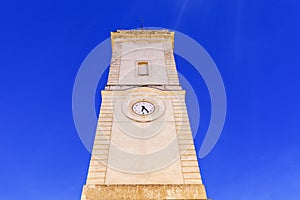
{"type": "Point", "coordinates": [143, 147]}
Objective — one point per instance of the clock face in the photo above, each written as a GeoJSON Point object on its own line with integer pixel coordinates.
{"type": "Point", "coordinates": [143, 108]}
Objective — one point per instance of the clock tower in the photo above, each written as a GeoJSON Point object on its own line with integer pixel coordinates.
{"type": "Point", "coordinates": [143, 147]}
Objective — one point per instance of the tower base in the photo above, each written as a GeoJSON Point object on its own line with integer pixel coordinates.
{"type": "Point", "coordinates": [143, 192]}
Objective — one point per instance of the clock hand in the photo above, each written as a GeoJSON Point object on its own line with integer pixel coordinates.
{"type": "Point", "coordinates": [144, 108]}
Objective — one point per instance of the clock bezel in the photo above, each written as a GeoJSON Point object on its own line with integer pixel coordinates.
{"type": "Point", "coordinates": [156, 102]}
{"type": "Point", "coordinates": [153, 110]}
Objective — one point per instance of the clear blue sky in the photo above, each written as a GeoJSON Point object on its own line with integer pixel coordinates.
{"type": "Point", "coordinates": [255, 45]}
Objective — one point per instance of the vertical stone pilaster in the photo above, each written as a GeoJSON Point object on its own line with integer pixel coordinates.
{"type": "Point", "coordinates": [99, 158]}
{"type": "Point", "coordinates": [114, 70]}
{"type": "Point", "coordinates": [170, 64]}
{"type": "Point", "coordinates": [188, 157]}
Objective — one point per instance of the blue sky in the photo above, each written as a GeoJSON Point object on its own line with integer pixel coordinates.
{"type": "Point", "coordinates": [255, 45]}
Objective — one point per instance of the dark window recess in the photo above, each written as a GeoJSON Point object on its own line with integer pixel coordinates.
{"type": "Point", "coordinates": [143, 69]}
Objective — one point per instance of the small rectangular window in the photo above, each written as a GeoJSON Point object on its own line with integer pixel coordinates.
{"type": "Point", "coordinates": [143, 69]}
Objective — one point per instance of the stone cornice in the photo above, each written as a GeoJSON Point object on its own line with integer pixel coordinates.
{"type": "Point", "coordinates": [140, 36]}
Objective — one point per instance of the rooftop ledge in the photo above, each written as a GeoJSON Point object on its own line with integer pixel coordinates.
{"type": "Point", "coordinates": [140, 35]}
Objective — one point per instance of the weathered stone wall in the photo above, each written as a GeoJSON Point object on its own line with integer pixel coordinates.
{"type": "Point", "coordinates": [144, 192]}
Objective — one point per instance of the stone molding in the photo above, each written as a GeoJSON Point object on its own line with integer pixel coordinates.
{"type": "Point", "coordinates": [144, 192]}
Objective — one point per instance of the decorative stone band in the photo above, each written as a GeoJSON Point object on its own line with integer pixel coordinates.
{"type": "Point", "coordinates": [143, 192]}
{"type": "Point", "coordinates": [142, 36]}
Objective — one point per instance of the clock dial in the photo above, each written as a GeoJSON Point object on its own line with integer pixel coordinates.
{"type": "Point", "coordinates": [143, 108]}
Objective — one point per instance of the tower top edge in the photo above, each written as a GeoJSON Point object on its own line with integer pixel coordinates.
{"type": "Point", "coordinates": [142, 34]}
{"type": "Point", "coordinates": [143, 31]}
